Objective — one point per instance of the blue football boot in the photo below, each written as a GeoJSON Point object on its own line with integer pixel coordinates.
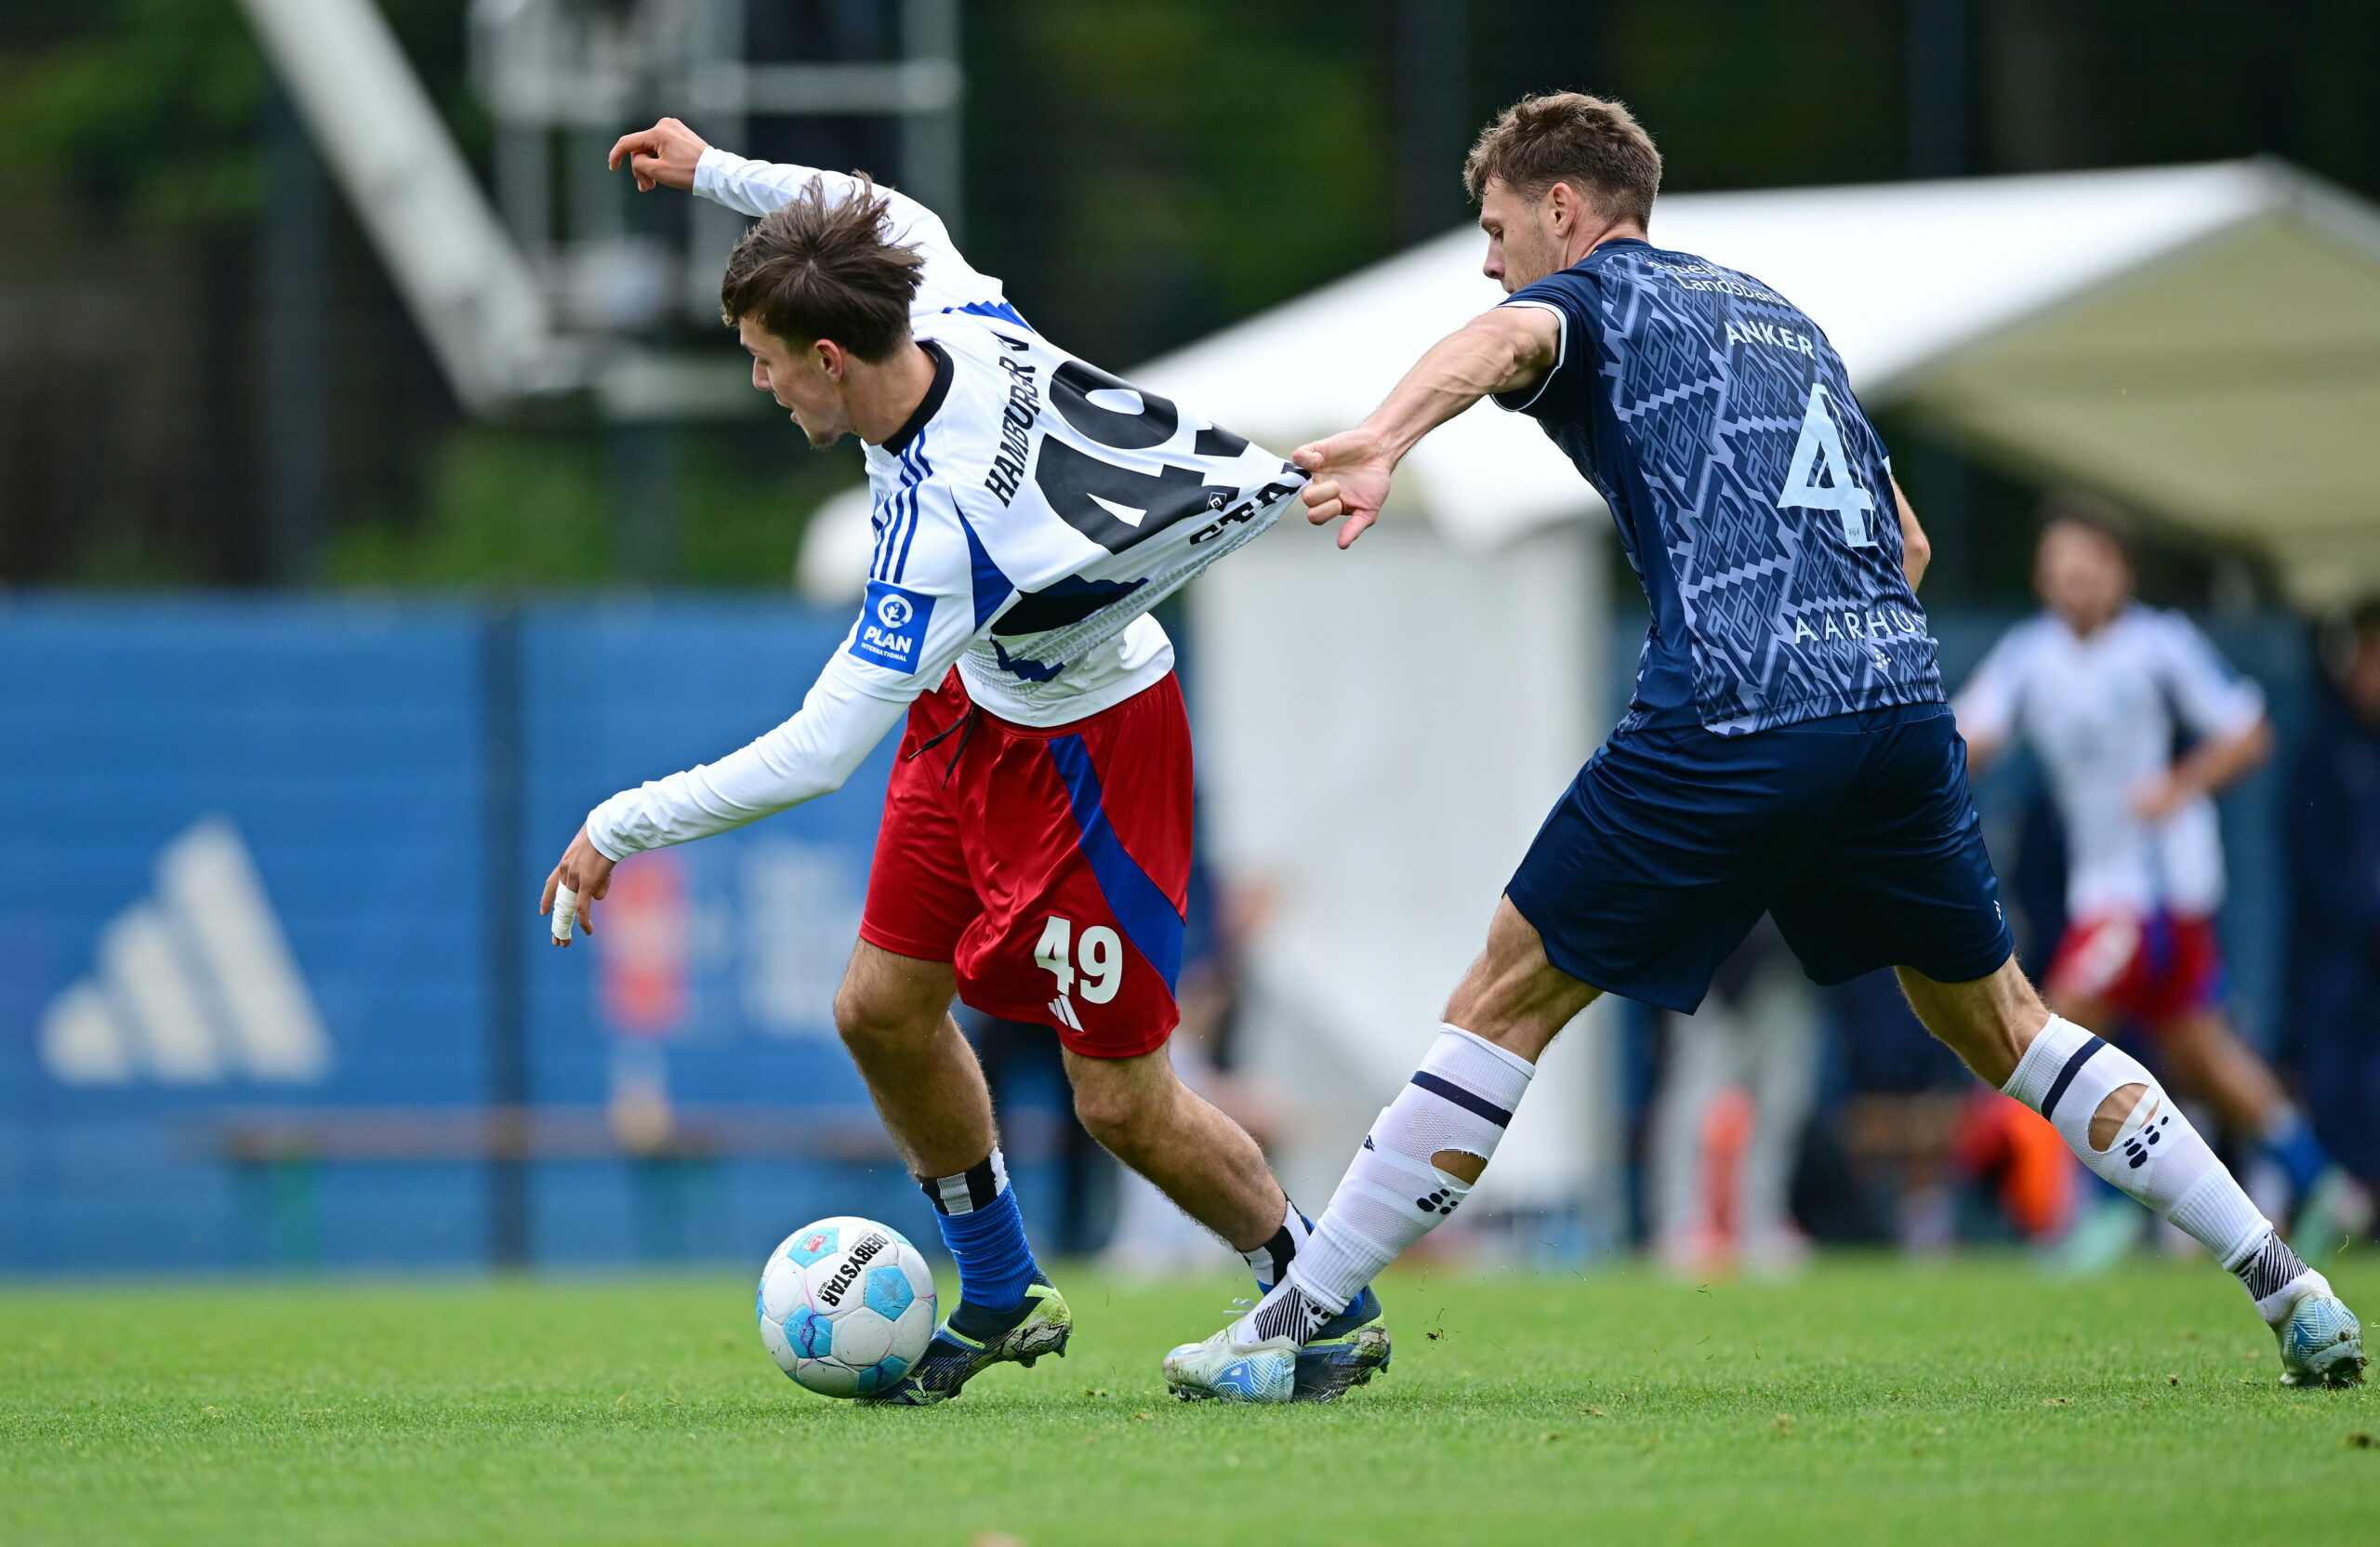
{"type": "Point", "coordinates": [1344, 1351]}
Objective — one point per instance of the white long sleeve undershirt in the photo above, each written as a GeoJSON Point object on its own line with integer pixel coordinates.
{"type": "Point", "coordinates": [810, 755]}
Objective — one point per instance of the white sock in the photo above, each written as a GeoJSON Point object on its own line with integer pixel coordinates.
{"type": "Point", "coordinates": [1460, 1099]}
{"type": "Point", "coordinates": [2157, 1158]}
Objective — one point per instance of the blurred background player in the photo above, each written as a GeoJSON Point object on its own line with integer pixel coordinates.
{"type": "Point", "coordinates": [1788, 749]}
{"type": "Point", "coordinates": [1739, 1081]}
{"type": "Point", "coordinates": [2138, 723]}
{"type": "Point", "coordinates": [1034, 852]}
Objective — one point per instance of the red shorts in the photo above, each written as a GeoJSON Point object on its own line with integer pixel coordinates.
{"type": "Point", "coordinates": [1048, 867]}
{"type": "Point", "coordinates": [2151, 969]}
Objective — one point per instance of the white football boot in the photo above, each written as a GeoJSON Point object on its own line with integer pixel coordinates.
{"type": "Point", "coordinates": [1220, 1370]}
{"type": "Point", "coordinates": [2321, 1343]}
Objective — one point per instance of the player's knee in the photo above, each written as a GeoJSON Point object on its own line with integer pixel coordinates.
{"type": "Point", "coordinates": [1114, 1109]}
{"type": "Point", "coordinates": [865, 1021]}
{"type": "Point", "coordinates": [1109, 1113]}
{"type": "Point", "coordinates": [2107, 1121]}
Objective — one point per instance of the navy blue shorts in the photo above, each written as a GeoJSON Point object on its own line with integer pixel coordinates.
{"type": "Point", "coordinates": [1856, 832]}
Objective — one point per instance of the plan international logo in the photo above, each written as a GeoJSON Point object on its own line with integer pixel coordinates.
{"type": "Point", "coordinates": [194, 985]}
{"type": "Point", "coordinates": [893, 626]}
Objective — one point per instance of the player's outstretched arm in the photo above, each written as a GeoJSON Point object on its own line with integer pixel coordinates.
{"type": "Point", "coordinates": [2213, 766]}
{"type": "Point", "coordinates": [1501, 351]}
{"type": "Point", "coordinates": [907, 638]}
{"type": "Point", "coordinates": [2225, 711]}
{"type": "Point", "coordinates": [810, 755]}
{"type": "Point", "coordinates": [671, 155]}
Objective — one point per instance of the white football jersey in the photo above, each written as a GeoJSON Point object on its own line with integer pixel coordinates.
{"type": "Point", "coordinates": [1027, 516]}
{"type": "Point", "coordinates": [2103, 714]}
{"type": "Point", "coordinates": [1035, 507]}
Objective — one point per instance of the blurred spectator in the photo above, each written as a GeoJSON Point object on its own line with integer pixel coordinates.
{"type": "Point", "coordinates": [1741, 1075]}
{"type": "Point", "coordinates": [2334, 838]}
{"type": "Point", "coordinates": [1901, 1119]}
{"type": "Point", "coordinates": [1950, 1158]}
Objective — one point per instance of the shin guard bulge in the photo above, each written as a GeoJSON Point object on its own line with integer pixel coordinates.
{"type": "Point", "coordinates": [1460, 1099]}
{"type": "Point", "coordinates": [2155, 1156]}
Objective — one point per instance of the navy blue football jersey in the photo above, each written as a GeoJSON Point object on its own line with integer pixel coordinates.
{"type": "Point", "coordinates": [1753, 498]}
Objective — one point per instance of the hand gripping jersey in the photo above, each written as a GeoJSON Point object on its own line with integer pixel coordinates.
{"type": "Point", "coordinates": [1754, 499]}
{"type": "Point", "coordinates": [2103, 715]}
{"type": "Point", "coordinates": [1027, 516]}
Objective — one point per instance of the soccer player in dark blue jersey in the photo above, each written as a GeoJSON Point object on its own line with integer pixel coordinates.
{"type": "Point", "coordinates": [1788, 749]}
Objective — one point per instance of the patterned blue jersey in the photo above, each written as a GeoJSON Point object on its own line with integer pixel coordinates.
{"type": "Point", "coordinates": [1753, 498]}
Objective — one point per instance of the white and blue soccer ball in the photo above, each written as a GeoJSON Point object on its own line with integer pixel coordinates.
{"type": "Point", "coordinates": [846, 1306]}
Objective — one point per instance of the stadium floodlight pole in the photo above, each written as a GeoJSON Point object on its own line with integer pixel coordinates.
{"type": "Point", "coordinates": [460, 272]}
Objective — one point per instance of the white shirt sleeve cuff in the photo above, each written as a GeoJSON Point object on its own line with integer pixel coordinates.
{"type": "Point", "coordinates": [713, 165]}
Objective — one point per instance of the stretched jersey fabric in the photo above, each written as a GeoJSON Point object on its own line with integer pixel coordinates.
{"type": "Point", "coordinates": [1754, 499]}
{"type": "Point", "coordinates": [2104, 713]}
{"type": "Point", "coordinates": [1027, 516]}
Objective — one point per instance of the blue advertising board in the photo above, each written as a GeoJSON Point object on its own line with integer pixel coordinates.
{"type": "Point", "coordinates": [252, 952]}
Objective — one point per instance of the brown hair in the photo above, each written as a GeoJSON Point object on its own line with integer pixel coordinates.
{"type": "Point", "coordinates": [1589, 142]}
{"type": "Point", "coordinates": [2103, 519]}
{"type": "Point", "coordinates": [825, 267]}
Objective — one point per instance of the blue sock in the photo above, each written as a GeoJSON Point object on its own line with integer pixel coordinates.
{"type": "Point", "coordinates": [2291, 1141]}
{"type": "Point", "coordinates": [984, 1231]}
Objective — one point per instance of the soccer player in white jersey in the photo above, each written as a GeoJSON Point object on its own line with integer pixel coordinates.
{"type": "Point", "coordinates": [1035, 846]}
{"type": "Point", "coordinates": [2103, 689]}
{"type": "Point", "coordinates": [1788, 749]}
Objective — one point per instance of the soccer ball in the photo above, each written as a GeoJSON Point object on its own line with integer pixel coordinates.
{"type": "Point", "coordinates": [846, 1305]}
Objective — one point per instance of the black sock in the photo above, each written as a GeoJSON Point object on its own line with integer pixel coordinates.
{"type": "Point", "coordinates": [983, 1325]}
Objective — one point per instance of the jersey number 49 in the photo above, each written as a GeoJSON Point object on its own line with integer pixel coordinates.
{"type": "Point", "coordinates": [1113, 505]}
{"type": "Point", "coordinates": [1101, 957]}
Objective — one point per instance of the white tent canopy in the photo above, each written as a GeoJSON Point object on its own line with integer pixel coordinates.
{"type": "Point", "coordinates": [2201, 343]}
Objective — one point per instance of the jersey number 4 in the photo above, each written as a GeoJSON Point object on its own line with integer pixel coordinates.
{"type": "Point", "coordinates": [1820, 451]}
{"type": "Point", "coordinates": [1112, 505]}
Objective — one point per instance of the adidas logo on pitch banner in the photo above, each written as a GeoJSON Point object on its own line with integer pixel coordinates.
{"type": "Point", "coordinates": [195, 983]}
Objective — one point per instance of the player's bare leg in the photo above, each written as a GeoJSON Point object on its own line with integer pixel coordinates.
{"type": "Point", "coordinates": [1435, 1140]}
{"type": "Point", "coordinates": [1141, 1112]}
{"type": "Point", "coordinates": [1214, 1171]}
{"type": "Point", "coordinates": [2122, 1124]}
{"type": "Point", "coordinates": [894, 1012]}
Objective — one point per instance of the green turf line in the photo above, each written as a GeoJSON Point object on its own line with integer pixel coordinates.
{"type": "Point", "coordinates": [1970, 1402]}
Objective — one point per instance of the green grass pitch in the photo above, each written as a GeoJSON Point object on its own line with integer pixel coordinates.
{"type": "Point", "coordinates": [1972, 1401]}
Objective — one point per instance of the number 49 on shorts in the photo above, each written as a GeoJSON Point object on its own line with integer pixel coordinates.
{"type": "Point", "coordinates": [1099, 958]}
